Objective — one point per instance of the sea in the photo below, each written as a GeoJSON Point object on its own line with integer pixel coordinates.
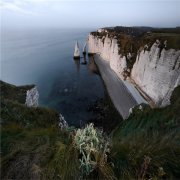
{"type": "Point", "coordinates": [44, 57]}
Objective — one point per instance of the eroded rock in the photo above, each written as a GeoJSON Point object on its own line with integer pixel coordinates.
{"type": "Point", "coordinates": [62, 122]}
{"type": "Point", "coordinates": [32, 97]}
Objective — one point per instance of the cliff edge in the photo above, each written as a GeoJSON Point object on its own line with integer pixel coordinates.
{"type": "Point", "coordinates": [150, 57]}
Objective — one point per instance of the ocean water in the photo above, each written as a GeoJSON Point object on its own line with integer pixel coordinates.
{"type": "Point", "coordinates": [45, 57]}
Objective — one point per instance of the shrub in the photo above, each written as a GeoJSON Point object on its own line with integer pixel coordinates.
{"type": "Point", "coordinates": [91, 142]}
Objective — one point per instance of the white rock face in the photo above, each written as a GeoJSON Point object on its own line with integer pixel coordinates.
{"type": "Point", "coordinates": [76, 50]}
{"type": "Point", "coordinates": [157, 73]}
{"type": "Point", "coordinates": [32, 97]}
{"type": "Point", "coordinates": [109, 51]}
{"type": "Point", "coordinates": [101, 30]}
{"type": "Point", "coordinates": [62, 122]}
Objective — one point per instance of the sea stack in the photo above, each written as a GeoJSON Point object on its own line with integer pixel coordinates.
{"type": "Point", "coordinates": [76, 51]}
{"type": "Point", "coordinates": [84, 48]}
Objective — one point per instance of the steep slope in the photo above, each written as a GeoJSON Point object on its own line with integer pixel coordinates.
{"type": "Point", "coordinates": [146, 146]}
{"type": "Point", "coordinates": [157, 72]}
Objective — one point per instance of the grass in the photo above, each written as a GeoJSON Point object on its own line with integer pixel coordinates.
{"type": "Point", "coordinates": [11, 92]}
{"type": "Point", "coordinates": [130, 151]}
{"type": "Point", "coordinates": [34, 147]}
{"type": "Point", "coordinates": [25, 149]}
{"type": "Point", "coordinates": [27, 117]}
{"type": "Point", "coordinates": [151, 133]}
{"type": "Point", "coordinates": [146, 146]}
{"type": "Point", "coordinates": [173, 39]}
{"type": "Point", "coordinates": [31, 141]}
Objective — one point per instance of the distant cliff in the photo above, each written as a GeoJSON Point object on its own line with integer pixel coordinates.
{"type": "Point", "coordinates": [150, 58]}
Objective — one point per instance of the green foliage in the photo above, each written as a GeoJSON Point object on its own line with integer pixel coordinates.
{"type": "Point", "coordinates": [90, 141]}
{"type": "Point", "coordinates": [129, 153]}
{"type": "Point", "coordinates": [14, 93]}
{"type": "Point", "coordinates": [27, 116]}
{"type": "Point", "coordinates": [13, 109]}
{"type": "Point", "coordinates": [32, 145]}
{"type": "Point", "coordinates": [25, 152]}
{"type": "Point", "coordinates": [64, 163]}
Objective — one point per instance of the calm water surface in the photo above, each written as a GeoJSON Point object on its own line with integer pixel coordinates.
{"type": "Point", "coordinates": [44, 57]}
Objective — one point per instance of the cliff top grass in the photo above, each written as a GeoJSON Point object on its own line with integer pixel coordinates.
{"type": "Point", "coordinates": [141, 36]}
{"type": "Point", "coordinates": [30, 137]}
{"type": "Point", "coordinates": [173, 39]}
{"type": "Point", "coordinates": [14, 93]}
{"type": "Point", "coordinates": [13, 108]}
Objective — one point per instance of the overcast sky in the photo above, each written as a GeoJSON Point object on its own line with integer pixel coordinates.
{"type": "Point", "coordinates": [89, 13]}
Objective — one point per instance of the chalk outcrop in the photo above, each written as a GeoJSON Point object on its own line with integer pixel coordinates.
{"type": "Point", "coordinates": [109, 50]}
{"type": "Point", "coordinates": [156, 71]}
{"type": "Point", "coordinates": [62, 122]}
{"type": "Point", "coordinates": [76, 51]}
{"type": "Point", "coordinates": [32, 97]}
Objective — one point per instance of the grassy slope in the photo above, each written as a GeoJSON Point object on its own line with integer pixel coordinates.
{"type": "Point", "coordinates": [33, 147]}
{"type": "Point", "coordinates": [151, 133]}
{"type": "Point", "coordinates": [14, 93]}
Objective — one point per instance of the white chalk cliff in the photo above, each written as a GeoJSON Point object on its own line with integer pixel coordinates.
{"type": "Point", "coordinates": [156, 72]}
{"type": "Point", "coordinates": [32, 97]}
{"type": "Point", "coordinates": [109, 51]}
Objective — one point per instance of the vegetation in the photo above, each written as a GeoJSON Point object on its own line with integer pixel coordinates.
{"type": "Point", "coordinates": [11, 92]}
{"type": "Point", "coordinates": [146, 146]}
{"type": "Point", "coordinates": [31, 141]}
{"type": "Point", "coordinates": [90, 142]}
{"type": "Point", "coordinates": [34, 147]}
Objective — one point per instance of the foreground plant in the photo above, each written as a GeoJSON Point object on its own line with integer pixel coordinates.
{"type": "Point", "coordinates": [90, 142]}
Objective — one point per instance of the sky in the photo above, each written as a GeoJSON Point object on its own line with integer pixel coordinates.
{"type": "Point", "coordinates": [89, 13]}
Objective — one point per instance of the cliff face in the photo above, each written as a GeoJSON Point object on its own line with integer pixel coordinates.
{"type": "Point", "coordinates": [109, 51]}
{"type": "Point", "coordinates": [156, 71]}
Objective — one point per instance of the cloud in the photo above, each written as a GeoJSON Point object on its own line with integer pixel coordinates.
{"type": "Point", "coordinates": [21, 6]}
{"type": "Point", "coordinates": [41, 7]}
